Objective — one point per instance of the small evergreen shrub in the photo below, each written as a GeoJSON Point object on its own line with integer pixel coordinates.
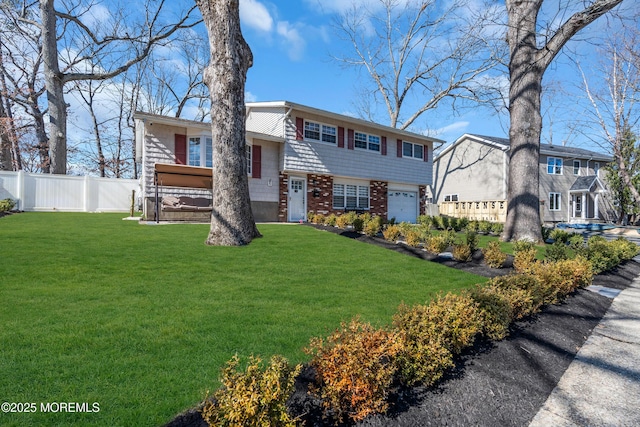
{"type": "Point", "coordinates": [433, 334]}
{"type": "Point", "coordinates": [355, 367]}
{"type": "Point", "coordinates": [461, 252]}
{"type": "Point", "coordinates": [441, 222]}
{"type": "Point", "coordinates": [426, 221]}
{"type": "Point", "coordinates": [391, 233]}
{"type": "Point", "coordinates": [601, 254]}
{"type": "Point", "coordinates": [453, 224]}
{"type": "Point", "coordinates": [493, 255]}
{"type": "Point", "coordinates": [523, 245]}
{"type": "Point", "coordinates": [471, 238]}
{"type": "Point", "coordinates": [557, 251]}
{"type": "Point", "coordinates": [545, 232]}
{"type": "Point", "coordinates": [412, 238]}
{"type": "Point", "coordinates": [576, 242]}
{"type": "Point", "coordinates": [559, 235]}
{"type": "Point", "coordinates": [523, 292]}
{"type": "Point", "coordinates": [318, 219]}
{"type": "Point", "coordinates": [484, 227]}
{"type": "Point", "coordinates": [474, 226]}
{"type": "Point", "coordinates": [358, 224]}
{"type": "Point", "coordinates": [256, 397]}
{"type": "Point", "coordinates": [436, 244]}
{"type": "Point", "coordinates": [7, 204]}
{"type": "Point", "coordinates": [463, 223]}
{"type": "Point", "coordinates": [624, 248]}
{"type": "Point", "coordinates": [373, 226]}
{"type": "Point", "coordinates": [497, 228]}
{"type": "Point", "coordinates": [311, 216]}
{"type": "Point", "coordinates": [343, 221]}
{"type": "Point", "coordinates": [406, 227]}
{"type": "Point", "coordinates": [495, 309]}
{"type": "Point", "coordinates": [559, 279]}
{"type": "Point", "coordinates": [331, 220]}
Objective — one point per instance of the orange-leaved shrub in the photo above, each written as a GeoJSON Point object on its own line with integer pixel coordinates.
{"type": "Point", "coordinates": [391, 233]}
{"type": "Point", "coordinates": [495, 309]}
{"type": "Point", "coordinates": [355, 368]}
{"type": "Point", "coordinates": [255, 397]}
{"type": "Point", "coordinates": [560, 278]}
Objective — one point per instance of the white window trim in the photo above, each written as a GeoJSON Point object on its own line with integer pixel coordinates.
{"type": "Point", "coordinates": [413, 150]}
{"type": "Point", "coordinates": [203, 137]}
{"type": "Point", "coordinates": [368, 135]}
{"type": "Point", "coordinates": [451, 197]}
{"type": "Point", "coordinates": [559, 202]}
{"type": "Point", "coordinates": [304, 132]}
{"type": "Point", "coordinates": [249, 155]}
{"type": "Point", "coordinates": [344, 196]}
{"type": "Point", "coordinates": [579, 167]}
{"type": "Point", "coordinates": [555, 165]}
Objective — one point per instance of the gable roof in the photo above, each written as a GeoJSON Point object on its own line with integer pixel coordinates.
{"type": "Point", "coordinates": [547, 149]}
{"type": "Point", "coordinates": [585, 184]}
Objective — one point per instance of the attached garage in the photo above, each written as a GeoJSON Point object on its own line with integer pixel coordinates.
{"type": "Point", "coordinates": [403, 205]}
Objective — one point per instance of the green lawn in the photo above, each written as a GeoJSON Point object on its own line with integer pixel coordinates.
{"type": "Point", "coordinates": [140, 318]}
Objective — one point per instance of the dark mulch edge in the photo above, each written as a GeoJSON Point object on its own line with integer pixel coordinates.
{"type": "Point", "coordinates": [493, 383]}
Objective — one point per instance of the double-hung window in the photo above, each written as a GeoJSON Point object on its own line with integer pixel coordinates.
{"type": "Point", "coordinates": [348, 196]}
{"type": "Point", "coordinates": [200, 154]}
{"type": "Point", "coordinates": [319, 132]}
{"type": "Point", "coordinates": [554, 166]}
{"type": "Point", "coordinates": [451, 198]}
{"type": "Point", "coordinates": [410, 149]}
{"type": "Point", "coordinates": [366, 141]}
{"type": "Point", "coordinates": [576, 167]}
{"type": "Point", "coordinates": [554, 201]}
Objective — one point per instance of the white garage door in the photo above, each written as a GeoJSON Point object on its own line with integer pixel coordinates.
{"type": "Point", "coordinates": [403, 206]}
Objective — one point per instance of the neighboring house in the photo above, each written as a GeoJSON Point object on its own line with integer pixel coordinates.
{"type": "Point", "coordinates": [472, 173]}
{"type": "Point", "coordinates": [301, 159]}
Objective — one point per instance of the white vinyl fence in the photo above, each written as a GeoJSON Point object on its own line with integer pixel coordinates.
{"type": "Point", "coordinates": [38, 192]}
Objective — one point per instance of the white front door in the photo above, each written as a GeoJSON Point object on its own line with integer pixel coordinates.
{"type": "Point", "coordinates": [297, 200]}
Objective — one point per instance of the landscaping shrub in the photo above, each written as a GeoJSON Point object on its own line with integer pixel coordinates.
{"type": "Point", "coordinates": [497, 228]}
{"type": "Point", "coordinates": [6, 205]}
{"type": "Point", "coordinates": [496, 311]}
{"type": "Point", "coordinates": [441, 222]}
{"type": "Point", "coordinates": [436, 244]}
{"type": "Point", "coordinates": [412, 238]}
{"type": "Point", "coordinates": [473, 225]}
{"type": "Point", "coordinates": [484, 227]}
{"type": "Point", "coordinates": [601, 254]}
{"type": "Point", "coordinates": [343, 221]}
{"type": "Point", "coordinates": [463, 223]}
{"type": "Point", "coordinates": [624, 248]}
{"type": "Point", "coordinates": [331, 220]}
{"type": "Point", "coordinates": [373, 226]}
{"type": "Point", "coordinates": [453, 224]}
{"type": "Point", "coordinates": [358, 224]}
{"type": "Point", "coordinates": [559, 235]}
{"type": "Point", "coordinates": [557, 251]}
{"type": "Point", "coordinates": [461, 252]}
{"type": "Point", "coordinates": [256, 397]}
{"type": "Point", "coordinates": [318, 219]}
{"type": "Point", "coordinates": [433, 334]}
{"type": "Point", "coordinates": [426, 221]}
{"type": "Point", "coordinates": [493, 256]}
{"type": "Point", "coordinates": [558, 279]}
{"type": "Point", "coordinates": [355, 368]}
{"type": "Point", "coordinates": [471, 237]}
{"type": "Point", "coordinates": [524, 256]}
{"type": "Point", "coordinates": [524, 293]}
{"type": "Point", "coordinates": [576, 242]}
{"type": "Point", "coordinates": [391, 233]}
{"type": "Point", "coordinates": [406, 227]}
{"type": "Point", "coordinates": [546, 232]}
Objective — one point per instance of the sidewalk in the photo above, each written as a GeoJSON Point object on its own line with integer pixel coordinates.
{"type": "Point", "coordinates": [601, 387]}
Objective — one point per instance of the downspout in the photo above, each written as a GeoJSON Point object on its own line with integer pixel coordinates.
{"type": "Point", "coordinates": [505, 174]}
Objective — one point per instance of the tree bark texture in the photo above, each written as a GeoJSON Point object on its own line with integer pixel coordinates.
{"type": "Point", "coordinates": [527, 64]}
{"type": "Point", "coordinates": [232, 222]}
{"type": "Point", "coordinates": [55, 90]}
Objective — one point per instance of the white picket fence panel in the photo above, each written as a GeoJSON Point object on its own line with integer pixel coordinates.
{"type": "Point", "coordinates": [40, 192]}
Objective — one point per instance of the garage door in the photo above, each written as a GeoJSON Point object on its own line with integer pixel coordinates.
{"type": "Point", "coordinates": [403, 206]}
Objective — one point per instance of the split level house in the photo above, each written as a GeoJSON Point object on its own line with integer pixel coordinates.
{"type": "Point", "coordinates": [471, 179]}
{"type": "Point", "coordinates": [299, 160]}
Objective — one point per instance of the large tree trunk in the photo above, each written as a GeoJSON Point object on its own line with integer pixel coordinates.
{"type": "Point", "coordinates": [527, 64]}
{"type": "Point", "coordinates": [232, 222]}
{"type": "Point", "coordinates": [55, 90]}
{"type": "Point", "coordinates": [523, 208]}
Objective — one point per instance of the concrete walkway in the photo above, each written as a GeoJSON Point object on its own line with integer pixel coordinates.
{"type": "Point", "coordinates": [601, 387]}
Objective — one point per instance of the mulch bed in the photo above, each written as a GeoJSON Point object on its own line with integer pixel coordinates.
{"type": "Point", "coordinates": [493, 383]}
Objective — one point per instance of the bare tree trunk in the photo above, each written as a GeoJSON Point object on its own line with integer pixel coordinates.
{"type": "Point", "coordinates": [5, 140]}
{"type": "Point", "coordinates": [527, 65]}
{"type": "Point", "coordinates": [232, 222]}
{"type": "Point", "coordinates": [55, 90]}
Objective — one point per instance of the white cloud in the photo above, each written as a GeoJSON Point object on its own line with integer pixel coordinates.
{"type": "Point", "coordinates": [255, 15]}
{"type": "Point", "coordinates": [249, 97]}
{"type": "Point", "coordinates": [294, 42]}
{"type": "Point", "coordinates": [97, 15]}
{"type": "Point", "coordinates": [456, 128]}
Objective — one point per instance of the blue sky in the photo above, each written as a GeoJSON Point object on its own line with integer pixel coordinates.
{"type": "Point", "coordinates": [292, 43]}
